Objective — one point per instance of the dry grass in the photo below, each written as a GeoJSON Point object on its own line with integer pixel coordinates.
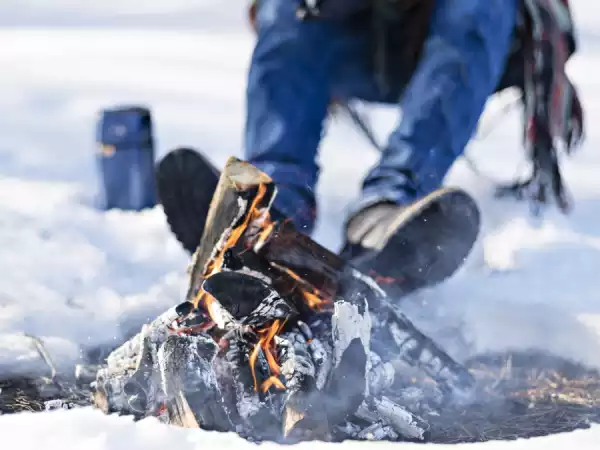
{"type": "Point", "coordinates": [19, 395]}
{"type": "Point", "coordinates": [518, 395]}
{"type": "Point", "coordinates": [521, 395]}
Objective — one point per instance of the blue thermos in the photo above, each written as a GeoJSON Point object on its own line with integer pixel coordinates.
{"type": "Point", "coordinates": [126, 158]}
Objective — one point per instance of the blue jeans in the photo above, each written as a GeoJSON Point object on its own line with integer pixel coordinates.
{"type": "Point", "coordinates": [299, 66]}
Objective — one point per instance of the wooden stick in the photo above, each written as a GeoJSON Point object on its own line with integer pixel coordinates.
{"type": "Point", "coordinates": [242, 188]}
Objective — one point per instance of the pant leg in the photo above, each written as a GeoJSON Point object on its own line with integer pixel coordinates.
{"type": "Point", "coordinates": [462, 62]}
{"type": "Point", "coordinates": [288, 93]}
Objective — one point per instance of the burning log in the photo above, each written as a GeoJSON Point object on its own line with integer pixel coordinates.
{"type": "Point", "coordinates": [392, 419]}
{"type": "Point", "coordinates": [314, 268]}
{"type": "Point", "coordinates": [173, 369]}
{"type": "Point", "coordinates": [347, 367]}
{"type": "Point", "coordinates": [191, 390]}
{"type": "Point", "coordinates": [243, 194]}
{"type": "Point", "coordinates": [125, 384]}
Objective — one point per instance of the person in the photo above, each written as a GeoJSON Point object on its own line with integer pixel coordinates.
{"type": "Point", "coordinates": [438, 60]}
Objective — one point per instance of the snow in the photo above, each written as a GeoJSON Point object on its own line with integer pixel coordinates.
{"type": "Point", "coordinates": [78, 277]}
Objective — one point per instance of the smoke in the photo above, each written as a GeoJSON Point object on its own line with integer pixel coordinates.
{"type": "Point", "coordinates": [467, 320]}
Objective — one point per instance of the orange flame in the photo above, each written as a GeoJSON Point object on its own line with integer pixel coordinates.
{"type": "Point", "coordinates": [313, 297]}
{"type": "Point", "coordinates": [383, 279]}
{"type": "Point", "coordinates": [267, 344]}
{"type": "Point", "coordinates": [264, 235]}
{"type": "Point", "coordinates": [237, 232]}
{"type": "Point", "coordinates": [216, 264]}
{"type": "Point", "coordinates": [313, 301]}
{"type": "Point", "coordinates": [272, 381]}
{"type": "Point", "coordinates": [207, 301]}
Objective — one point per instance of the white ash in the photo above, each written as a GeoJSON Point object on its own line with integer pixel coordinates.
{"type": "Point", "coordinates": [248, 405]}
{"type": "Point", "coordinates": [369, 281]}
{"type": "Point", "coordinates": [377, 432]}
{"type": "Point", "coordinates": [318, 337]}
{"type": "Point", "coordinates": [322, 356]}
{"type": "Point", "coordinates": [222, 318]}
{"type": "Point", "coordinates": [53, 405]}
{"type": "Point", "coordinates": [348, 323]}
{"type": "Point", "coordinates": [403, 422]}
{"type": "Point", "coordinates": [295, 359]}
{"type": "Point", "coordinates": [238, 369]}
{"type": "Point", "coordinates": [113, 385]}
{"type": "Point", "coordinates": [305, 330]}
{"type": "Point", "coordinates": [134, 366]}
{"type": "Point", "coordinates": [419, 351]}
{"type": "Point", "coordinates": [156, 331]}
{"type": "Point", "coordinates": [400, 336]}
{"type": "Point", "coordinates": [180, 354]}
{"type": "Point", "coordinates": [381, 376]}
{"type": "Point", "coordinates": [382, 410]}
{"type": "Point", "coordinates": [412, 346]}
{"type": "Point", "coordinates": [349, 429]}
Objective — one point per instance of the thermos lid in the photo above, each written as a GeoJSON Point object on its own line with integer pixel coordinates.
{"type": "Point", "coordinates": [125, 127]}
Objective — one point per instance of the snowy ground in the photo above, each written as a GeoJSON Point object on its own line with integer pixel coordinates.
{"type": "Point", "coordinates": [78, 277]}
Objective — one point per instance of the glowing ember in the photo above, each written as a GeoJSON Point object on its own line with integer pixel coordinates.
{"type": "Point", "coordinates": [383, 279]}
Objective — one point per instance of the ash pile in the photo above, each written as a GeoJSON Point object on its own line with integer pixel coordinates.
{"type": "Point", "coordinates": [277, 339]}
{"type": "Point", "coordinates": [268, 370]}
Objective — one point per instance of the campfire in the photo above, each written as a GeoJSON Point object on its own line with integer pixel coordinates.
{"type": "Point", "coordinates": [278, 339]}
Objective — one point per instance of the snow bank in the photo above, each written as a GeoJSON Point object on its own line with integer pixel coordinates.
{"type": "Point", "coordinates": [89, 429]}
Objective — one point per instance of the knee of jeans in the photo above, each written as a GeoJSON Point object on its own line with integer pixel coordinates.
{"type": "Point", "coordinates": [442, 69]}
{"type": "Point", "coordinates": [437, 108]}
{"type": "Point", "coordinates": [281, 35]}
{"type": "Point", "coordinates": [459, 21]}
{"type": "Point", "coordinates": [479, 34]}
